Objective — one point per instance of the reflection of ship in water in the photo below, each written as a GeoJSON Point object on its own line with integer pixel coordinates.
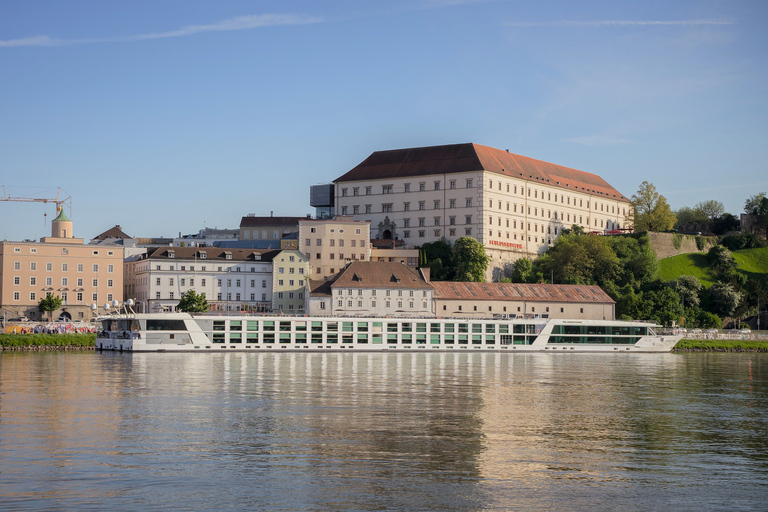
{"type": "Point", "coordinates": [557, 427]}
{"type": "Point", "coordinates": [381, 423]}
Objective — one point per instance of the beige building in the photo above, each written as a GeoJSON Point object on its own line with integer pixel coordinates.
{"type": "Point", "coordinates": [330, 244]}
{"type": "Point", "coordinates": [370, 288]}
{"type": "Point", "coordinates": [59, 265]}
{"type": "Point", "coordinates": [516, 300]}
{"type": "Point", "coordinates": [514, 205]}
{"type": "Point", "coordinates": [290, 282]}
{"type": "Point", "coordinates": [268, 228]}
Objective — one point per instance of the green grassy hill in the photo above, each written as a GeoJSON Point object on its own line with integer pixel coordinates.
{"type": "Point", "coordinates": [753, 262]}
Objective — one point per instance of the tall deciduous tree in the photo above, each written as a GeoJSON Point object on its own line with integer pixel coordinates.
{"type": "Point", "coordinates": [49, 304]}
{"type": "Point", "coordinates": [192, 302]}
{"type": "Point", "coordinates": [652, 212]}
{"type": "Point", "coordinates": [470, 260]}
{"type": "Point", "coordinates": [710, 209]}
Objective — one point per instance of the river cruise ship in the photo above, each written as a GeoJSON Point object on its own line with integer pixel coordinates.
{"type": "Point", "coordinates": [185, 332]}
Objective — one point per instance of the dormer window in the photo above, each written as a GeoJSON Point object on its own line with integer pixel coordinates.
{"type": "Point", "coordinates": [202, 255]}
{"type": "Point", "coordinates": [228, 255]}
{"type": "Point", "coordinates": [171, 254]}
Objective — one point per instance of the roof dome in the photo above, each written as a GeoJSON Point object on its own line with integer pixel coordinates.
{"type": "Point", "coordinates": [61, 217]}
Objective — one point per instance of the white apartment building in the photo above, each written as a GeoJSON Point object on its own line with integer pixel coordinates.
{"type": "Point", "coordinates": [330, 244]}
{"type": "Point", "coordinates": [514, 205]}
{"type": "Point", "coordinates": [231, 279]}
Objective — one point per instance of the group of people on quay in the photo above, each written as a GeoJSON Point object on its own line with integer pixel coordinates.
{"type": "Point", "coordinates": [50, 328]}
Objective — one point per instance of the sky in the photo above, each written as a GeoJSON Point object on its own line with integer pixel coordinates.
{"type": "Point", "coordinates": [168, 116]}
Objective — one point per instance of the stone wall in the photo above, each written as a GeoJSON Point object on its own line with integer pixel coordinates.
{"type": "Point", "coordinates": [672, 244]}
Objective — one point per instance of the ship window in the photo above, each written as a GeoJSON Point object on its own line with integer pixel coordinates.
{"type": "Point", "coordinates": [166, 325]}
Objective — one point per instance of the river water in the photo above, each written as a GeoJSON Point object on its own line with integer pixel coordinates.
{"type": "Point", "coordinates": [392, 431]}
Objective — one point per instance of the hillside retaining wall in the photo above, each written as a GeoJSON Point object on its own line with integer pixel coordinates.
{"type": "Point", "coordinates": [672, 244]}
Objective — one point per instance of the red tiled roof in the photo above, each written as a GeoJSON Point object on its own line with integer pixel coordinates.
{"type": "Point", "coordinates": [446, 290]}
{"type": "Point", "coordinates": [379, 274]}
{"type": "Point", "coordinates": [470, 157]}
{"type": "Point", "coordinates": [115, 232]}
{"type": "Point", "coordinates": [212, 254]}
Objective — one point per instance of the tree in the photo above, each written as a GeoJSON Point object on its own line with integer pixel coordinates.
{"type": "Point", "coordinates": [522, 271]}
{"type": "Point", "coordinates": [756, 205]}
{"type": "Point", "coordinates": [724, 299]}
{"type": "Point", "coordinates": [192, 302]}
{"type": "Point", "coordinates": [710, 209]}
{"type": "Point", "coordinates": [49, 304]}
{"type": "Point", "coordinates": [724, 223]}
{"type": "Point", "coordinates": [579, 259]}
{"type": "Point", "coordinates": [470, 260]}
{"type": "Point", "coordinates": [720, 258]}
{"type": "Point", "coordinates": [688, 288]}
{"type": "Point", "coordinates": [651, 210]}
{"type": "Point", "coordinates": [438, 257]}
{"type": "Point", "coordinates": [687, 215]}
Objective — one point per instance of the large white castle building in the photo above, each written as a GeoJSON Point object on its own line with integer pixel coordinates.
{"type": "Point", "coordinates": [514, 205]}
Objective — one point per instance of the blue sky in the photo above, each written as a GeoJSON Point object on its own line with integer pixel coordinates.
{"type": "Point", "coordinates": [168, 116]}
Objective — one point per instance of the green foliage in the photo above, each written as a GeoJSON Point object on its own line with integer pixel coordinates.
{"type": "Point", "coordinates": [470, 260]}
{"type": "Point", "coordinates": [722, 345]}
{"type": "Point", "coordinates": [522, 271]}
{"type": "Point", "coordinates": [701, 242]}
{"type": "Point", "coordinates": [723, 299]}
{"type": "Point", "coordinates": [688, 288]}
{"type": "Point", "coordinates": [724, 223]}
{"type": "Point", "coordinates": [637, 259]}
{"type": "Point", "coordinates": [192, 302]}
{"type": "Point", "coordinates": [49, 304]}
{"type": "Point", "coordinates": [662, 305]}
{"type": "Point", "coordinates": [756, 205]}
{"type": "Point", "coordinates": [720, 258]}
{"type": "Point", "coordinates": [687, 215]}
{"type": "Point", "coordinates": [651, 210]}
{"type": "Point", "coordinates": [438, 256]}
{"type": "Point", "coordinates": [580, 259]}
{"type": "Point", "coordinates": [710, 209]}
{"type": "Point", "coordinates": [743, 241]}
{"type": "Point", "coordinates": [677, 240]}
{"type": "Point", "coordinates": [707, 320]}
{"type": "Point", "coordinates": [48, 340]}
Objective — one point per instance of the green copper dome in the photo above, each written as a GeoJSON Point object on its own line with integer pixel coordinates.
{"type": "Point", "coordinates": [62, 217]}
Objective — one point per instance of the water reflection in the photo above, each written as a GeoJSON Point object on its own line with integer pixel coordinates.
{"type": "Point", "coordinates": [402, 431]}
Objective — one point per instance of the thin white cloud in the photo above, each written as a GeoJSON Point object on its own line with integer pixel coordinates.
{"type": "Point", "coordinates": [618, 23]}
{"type": "Point", "coordinates": [599, 140]}
{"type": "Point", "coordinates": [238, 23]}
{"type": "Point", "coordinates": [30, 41]}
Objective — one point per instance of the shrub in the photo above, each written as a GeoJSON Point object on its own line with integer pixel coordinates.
{"type": "Point", "coordinates": [49, 340]}
{"type": "Point", "coordinates": [677, 240]}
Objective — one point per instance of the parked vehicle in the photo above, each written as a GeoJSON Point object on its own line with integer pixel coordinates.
{"type": "Point", "coordinates": [19, 319]}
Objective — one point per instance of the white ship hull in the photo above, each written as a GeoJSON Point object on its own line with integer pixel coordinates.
{"type": "Point", "coordinates": [182, 332]}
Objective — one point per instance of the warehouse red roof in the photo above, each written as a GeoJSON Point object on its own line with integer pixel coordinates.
{"type": "Point", "coordinates": [520, 291]}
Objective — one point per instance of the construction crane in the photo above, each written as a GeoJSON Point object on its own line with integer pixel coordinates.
{"type": "Point", "coordinates": [59, 202]}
